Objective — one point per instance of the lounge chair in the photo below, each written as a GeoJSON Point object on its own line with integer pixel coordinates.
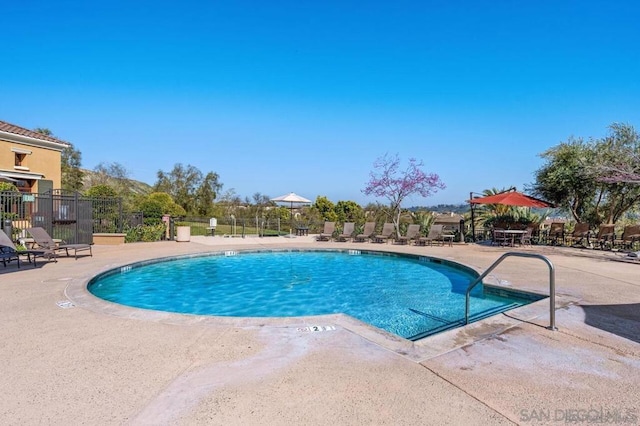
{"type": "Point", "coordinates": [327, 233]}
{"type": "Point", "coordinates": [606, 236]}
{"type": "Point", "coordinates": [9, 251]}
{"type": "Point", "coordinates": [580, 232]}
{"type": "Point", "coordinates": [630, 235]}
{"type": "Point", "coordinates": [44, 241]}
{"type": "Point", "coordinates": [436, 233]}
{"type": "Point", "coordinates": [412, 233]}
{"type": "Point", "coordinates": [347, 231]}
{"type": "Point", "coordinates": [556, 233]}
{"type": "Point", "coordinates": [367, 232]}
{"type": "Point", "coordinates": [383, 237]}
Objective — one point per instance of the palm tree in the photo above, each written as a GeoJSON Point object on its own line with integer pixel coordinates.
{"type": "Point", "coordinates": [425, 219]}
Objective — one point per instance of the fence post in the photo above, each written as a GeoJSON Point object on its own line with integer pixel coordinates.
{"type": "Point", "coordinates": [76, 213]}
{"type": "Point", "coordinates": [121, 218]}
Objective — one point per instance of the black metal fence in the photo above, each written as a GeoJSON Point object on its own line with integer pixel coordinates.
{"type": "Point", "coordinates": [235, 227]}
{"type": "Point", "coordinates": [244, 226]}
{"type": "Point", "coordinates": [66, 215]}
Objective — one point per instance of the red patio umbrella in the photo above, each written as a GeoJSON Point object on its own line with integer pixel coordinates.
{"type": "Point", "coordinates": [511, 198]}
{"type": "Point", "coordinates": [507, 198]}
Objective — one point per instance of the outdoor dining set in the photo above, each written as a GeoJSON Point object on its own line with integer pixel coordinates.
{"type": "Point", "coordinates": [603, 238]}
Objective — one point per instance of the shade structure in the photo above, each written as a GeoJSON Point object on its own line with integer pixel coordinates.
{"type": "Point", "coordinates": [507, 198]}
{"type": "Point", "coordinates": [511, 198]}
{"type": "Point", "coordinates": [291, 198]}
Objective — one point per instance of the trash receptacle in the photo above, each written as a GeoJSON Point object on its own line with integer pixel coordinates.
{"type": "Point", "coordinates": [183, 233]}
{"type": "Point", "coordinates": [7, 227]}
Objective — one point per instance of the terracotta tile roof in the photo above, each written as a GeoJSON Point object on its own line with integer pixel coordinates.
{"type": "Point", "coordinates": [12, 128]}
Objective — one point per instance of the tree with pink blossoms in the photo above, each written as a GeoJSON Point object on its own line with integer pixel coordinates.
{"type": "Point", "coordinates": [387, 180]}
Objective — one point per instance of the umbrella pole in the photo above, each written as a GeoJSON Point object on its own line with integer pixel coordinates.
{"type": "Point", "coordinates": [473, 219]}
{"type": "Point", "coordinates": [291, 220]}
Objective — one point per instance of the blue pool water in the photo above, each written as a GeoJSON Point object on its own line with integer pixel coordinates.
{"type": "Point", "coordinates": [409, 296]}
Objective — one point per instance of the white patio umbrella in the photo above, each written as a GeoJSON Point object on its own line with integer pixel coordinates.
{"type": "Point", "coordinates": [291, 198]}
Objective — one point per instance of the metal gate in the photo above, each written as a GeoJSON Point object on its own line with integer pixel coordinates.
{"type": "Point", "coordinates": [66, 215]}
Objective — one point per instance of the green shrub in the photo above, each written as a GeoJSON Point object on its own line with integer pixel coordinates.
{"type": "Point", "coordinates": [146, 233]}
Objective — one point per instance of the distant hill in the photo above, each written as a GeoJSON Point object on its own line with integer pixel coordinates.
{"type": "Point", "coordinates": [443, 208]}
{"type": "Point", "coordinates": [92, 178]}
{"type": "Point", "coordinates": [465, 208]}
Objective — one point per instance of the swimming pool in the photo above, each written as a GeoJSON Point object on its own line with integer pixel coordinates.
{"type": "Point", "coordinates": [407, 295]}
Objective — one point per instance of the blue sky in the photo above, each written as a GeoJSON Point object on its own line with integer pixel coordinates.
{"type": "Point", "coordinates": [303, 96]}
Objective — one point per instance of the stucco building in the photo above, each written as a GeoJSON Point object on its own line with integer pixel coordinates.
{"type": "Point", "coordinates": [30, 160]}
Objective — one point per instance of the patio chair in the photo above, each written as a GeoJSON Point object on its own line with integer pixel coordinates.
{"type": "Point", "coordinates": [606, 236]}
{"type": "Point", "coordinates": [412, 233]}
{"type": "Point", "coordinates": [383, 237]}
{"type": "Point", "coordinates": [580, 232]}
{"type": "Point", "coordinates": [367, 232]}
{"type": "Point", "coordinates": [525, 239]}
{"type": "Point", "coordinates": [347, 231]}
{"type": "Point", "coordinates": [436, 234]}
{"type": "Point", "coordinates": [9, 251]}
{"type": "Point", "coordinates": [630, 235]}
{"type": "Point", "coordinates": [327, 233]}
{"type": "Point", "coordinates": [499, 237]}
{"type": "Point", "coordinates": [44, 241]}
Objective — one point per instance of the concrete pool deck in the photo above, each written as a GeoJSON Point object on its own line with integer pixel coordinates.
{"type": "Point", "coordinates": [69, 358]}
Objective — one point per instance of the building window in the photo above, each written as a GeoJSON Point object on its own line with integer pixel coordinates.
{"type": "Point", "coordinates": [20, 159]}
{"type": "Point", "coordinates": [20, 156]}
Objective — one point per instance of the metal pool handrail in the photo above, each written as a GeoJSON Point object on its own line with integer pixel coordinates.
{"type": "Point", "coordinates": [552, 285]}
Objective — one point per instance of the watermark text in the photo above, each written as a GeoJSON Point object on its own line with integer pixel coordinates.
{"type": "Point", "coordinates": [587, 415]}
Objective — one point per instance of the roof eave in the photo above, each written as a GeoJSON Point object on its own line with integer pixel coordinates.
{"type": "Point", "coordinates": [26, 140]}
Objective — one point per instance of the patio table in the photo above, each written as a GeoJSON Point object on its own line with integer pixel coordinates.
{"type": "Point", "coordinates": [513, 233]}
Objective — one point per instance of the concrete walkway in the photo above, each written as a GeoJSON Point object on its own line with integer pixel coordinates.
{"type": "Point", "coordinates": [69, 358]}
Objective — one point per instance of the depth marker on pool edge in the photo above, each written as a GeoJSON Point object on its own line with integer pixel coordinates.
{"type": "Point", "coordinates": [316, 328]}
{"type": "Point", "coordinates": [65, 304]}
